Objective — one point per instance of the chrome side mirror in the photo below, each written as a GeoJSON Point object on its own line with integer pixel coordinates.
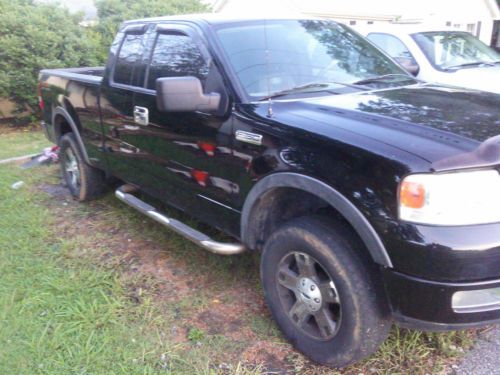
{"type": "Point", "coordinates": [184, 94]}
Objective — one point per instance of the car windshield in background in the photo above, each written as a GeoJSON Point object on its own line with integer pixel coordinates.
{"type": "Point", "coordinates": [450, 50]}
{"type": "Point", "coordinates": [271, 57]}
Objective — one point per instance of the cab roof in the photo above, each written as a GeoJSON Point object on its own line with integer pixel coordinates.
{"type": "Point", "coordinates": [221, 18]}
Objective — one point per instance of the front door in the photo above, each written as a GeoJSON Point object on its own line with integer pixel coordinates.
{"type": "Point", "coordinates": [189, 152]}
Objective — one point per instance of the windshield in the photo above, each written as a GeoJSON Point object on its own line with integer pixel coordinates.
{"type": "Point", "coordinates": [446, 49]}
{"type": "Point", "coordinates": [270, 57]}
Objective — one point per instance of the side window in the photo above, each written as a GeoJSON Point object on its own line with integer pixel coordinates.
{"type": "Point", "coordinates": [396, 49]}
{"type": "Point", "coordinates": [129, 68]}
{"type": "Point", "coordinates": [176, 55]}
{"type": "Point", "coordinates": [390, 45]}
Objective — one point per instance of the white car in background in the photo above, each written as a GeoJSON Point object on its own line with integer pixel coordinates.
{"type": "Point", "coordinates": [444, 56]}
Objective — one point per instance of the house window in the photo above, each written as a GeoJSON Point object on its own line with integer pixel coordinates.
{"type": "Point", "coordinates": [352, 23]}
{"type": "Point", "coordinates": [471, 27]}
{"type": "Point", "coordinates": [448, 23]}
{"type": "Point", "coordinates": [370, 22]}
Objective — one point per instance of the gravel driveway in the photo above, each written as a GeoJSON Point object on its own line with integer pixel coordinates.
{"type": "Point", "coordinates": [484, 358]}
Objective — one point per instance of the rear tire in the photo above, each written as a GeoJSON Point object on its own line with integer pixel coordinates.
{"type": "Point", "coordinates": [83, 181]}
{"type": "Point", "coordinates": [324, 292]}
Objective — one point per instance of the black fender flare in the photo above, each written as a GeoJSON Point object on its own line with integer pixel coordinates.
{"type": "Point", "coordinates": [60, 111]}
{"type": "Point", "coordinates": [302, 182]}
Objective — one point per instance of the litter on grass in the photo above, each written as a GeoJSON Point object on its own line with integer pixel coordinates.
{"type": "Point", "coordinates": [17, 185]}
{"type": "Point", "coordinates": [48, 156]}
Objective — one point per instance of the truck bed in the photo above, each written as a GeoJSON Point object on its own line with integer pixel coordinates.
{"type": "Point", "coordinates": [90, 75]}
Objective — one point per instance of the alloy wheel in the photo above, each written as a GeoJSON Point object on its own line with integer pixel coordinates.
{"type": "Point", "coordinates": [308, 295]}
{"type": "Point", "coordinates": [72, 169]}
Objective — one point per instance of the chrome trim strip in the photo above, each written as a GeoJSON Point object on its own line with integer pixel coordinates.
{"type": "Point", "coordinates": [78, 74]}
{"type": "Point", "coordinates": [247, 137]}
{"type": "Point", "coordinates": [218, 203]}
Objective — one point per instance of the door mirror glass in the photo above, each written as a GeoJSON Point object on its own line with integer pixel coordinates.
{"type": "Point", "coordinates": [184, 94]}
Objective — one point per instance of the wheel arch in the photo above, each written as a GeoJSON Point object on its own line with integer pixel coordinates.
{"type": "Point", "coordinates": [255, 201]}
{"type": "Point", "coordinates": [64, 122]}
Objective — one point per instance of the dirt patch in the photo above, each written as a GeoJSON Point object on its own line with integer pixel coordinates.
{"type": "Point", "coordinates": [9, 127]}
{"type": "Point", "coordinates": [217, 323]}
{"type": "Point", "coordinates": [233, 312]}
{"type": "Point", "coordinates": [56, 191]}
{"type": "Point", "coordinates": [272, 355]}
{"type": "Point", "coordinates": [217, 297]}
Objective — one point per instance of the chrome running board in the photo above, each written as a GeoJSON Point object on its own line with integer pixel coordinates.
{"type": "Point", "coordinates": [123, 193]}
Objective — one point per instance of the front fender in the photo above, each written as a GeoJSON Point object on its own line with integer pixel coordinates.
{"type": "Point", "coordinates": [328, 194]}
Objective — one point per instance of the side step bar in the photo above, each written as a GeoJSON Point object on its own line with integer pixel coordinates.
{"type": "Point", "coordinates": [123, 193]}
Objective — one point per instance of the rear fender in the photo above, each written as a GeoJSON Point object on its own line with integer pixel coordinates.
{"type": "Point", "coordinates": [62, 112]}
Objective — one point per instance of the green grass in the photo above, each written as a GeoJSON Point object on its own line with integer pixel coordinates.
{"type": "Point", "coordinates": [69, 303]}
{"type": "Point", "coordinates": [64, 312]}
{"type": "Point", "coordinates": [22, 142]}
{"type": "Point", "coordinates": [59, 314]}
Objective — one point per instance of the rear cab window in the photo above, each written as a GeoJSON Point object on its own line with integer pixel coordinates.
{"type": "Point", "coordinates": [130, 68]}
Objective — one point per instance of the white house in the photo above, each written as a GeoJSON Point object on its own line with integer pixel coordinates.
{"type": "Point", "coordinates": [480, 17]}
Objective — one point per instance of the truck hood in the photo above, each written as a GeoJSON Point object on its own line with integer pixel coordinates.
{"type": "Point", "coordinates": [431, 121]}
{"type": "Point", "coordinates": [480, 78]}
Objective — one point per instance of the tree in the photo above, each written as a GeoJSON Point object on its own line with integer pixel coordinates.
{"type": "Point", "coordinates": [34, 37]}
{"type": "Point", "coordinates": [112, 13]}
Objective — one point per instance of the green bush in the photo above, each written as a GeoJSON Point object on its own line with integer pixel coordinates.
{"type": "Point", "coordinates": [33, 37]}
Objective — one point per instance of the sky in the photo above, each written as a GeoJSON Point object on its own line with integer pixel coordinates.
{"type": "Point", "coordinates": [86, 6]}
{"type": "Point", "coordinates": [406, 8]}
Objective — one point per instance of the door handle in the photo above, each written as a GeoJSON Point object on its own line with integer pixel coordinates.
{"type": "Point", "coordinates": [141, 115]}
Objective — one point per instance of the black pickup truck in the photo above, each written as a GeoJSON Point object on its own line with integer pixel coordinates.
{"type": "Point", "coordinates": [373, 197]}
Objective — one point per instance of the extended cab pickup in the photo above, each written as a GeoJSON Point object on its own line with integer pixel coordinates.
{"type": "Point", "coordinates": [373, 197]}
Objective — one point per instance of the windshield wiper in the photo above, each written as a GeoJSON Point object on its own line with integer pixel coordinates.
{"type": "Point", "coordinates": [320, 86]}
{"type": "Point", "coordinates": [475, 63]}
{"type": "Point", "coordinates": [385, 77]}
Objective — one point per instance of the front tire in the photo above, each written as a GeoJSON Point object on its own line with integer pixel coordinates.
{"type": "Point", "coordinates": [83, 181]}
{"type": "Point", "coordinates": [324, 292]}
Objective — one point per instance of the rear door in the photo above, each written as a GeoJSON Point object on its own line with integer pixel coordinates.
{"type": "Point", "coordinates": [189, 154]}
{"type": "Point", "coordinates": [123, 78]}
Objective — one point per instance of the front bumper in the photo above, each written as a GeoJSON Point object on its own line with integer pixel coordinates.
{"type": "Point", "coordinates": [457, 253]}
{"type": "Point", "coordinates": [430, 305]}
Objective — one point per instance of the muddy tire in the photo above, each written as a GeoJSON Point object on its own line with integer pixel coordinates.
{"type": "Point", "coordinates": [324, 292]}
{"type": "Point", "coordinates": [83, 181]}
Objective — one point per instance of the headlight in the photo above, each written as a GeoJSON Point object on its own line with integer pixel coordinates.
{"type": "Point", "coordinates": [459, 198]}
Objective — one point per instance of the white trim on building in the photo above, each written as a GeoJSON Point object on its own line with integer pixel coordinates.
{"type": "Point", "coordinates": [475, 16]}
